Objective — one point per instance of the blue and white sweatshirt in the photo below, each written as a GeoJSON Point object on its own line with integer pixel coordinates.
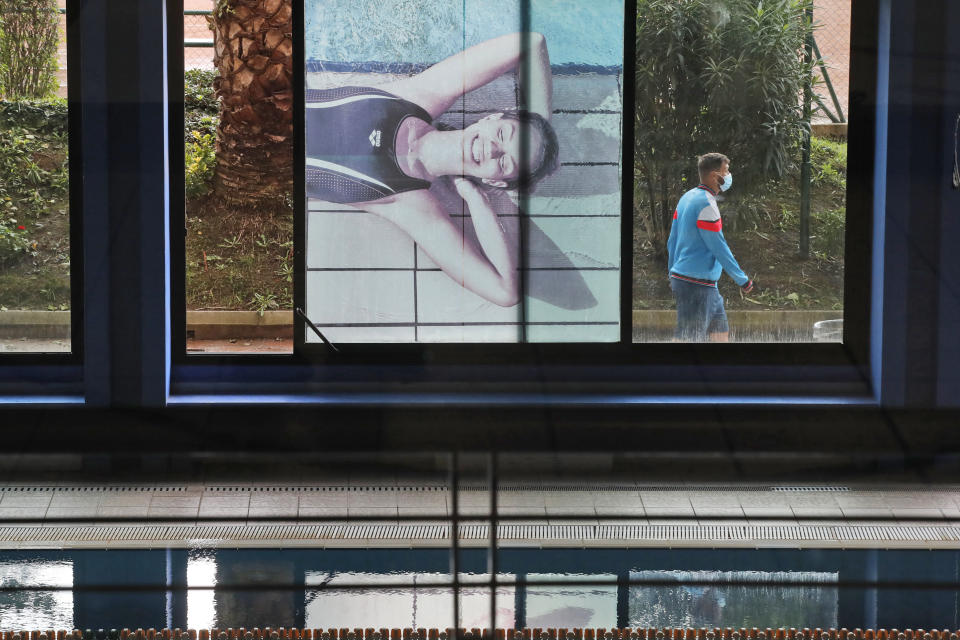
{"type": "Point", "coordinates": [696, 248]}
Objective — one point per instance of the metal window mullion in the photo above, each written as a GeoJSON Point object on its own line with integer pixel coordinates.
{"type": "Point", "coordinates": [492, 550]}
{"type": "Point", "coordinates": [454, 539]}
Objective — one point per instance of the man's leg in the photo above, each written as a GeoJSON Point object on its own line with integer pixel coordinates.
{"type": "Point", "coordinates": [691, 311]}
{"type": "Point", "coordinates": [718, 329]}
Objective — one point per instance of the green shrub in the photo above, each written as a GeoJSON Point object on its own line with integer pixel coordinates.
{"type": "Point", "coordinates": [28, 48]}
{"type": "Point", "coordinates": [199, 122]}
{"type": "Point", "coordinates": [39, 116]}
{"type": "Point", "coordinates": [198, 94]}
{"type": "Point", "coordinates": [715, 75]}
{"type": "Point", "coordinates": [199, 162]}
{"type": "Point", "coordinates": [14, 239]}
{"type": "Point", "coordinates": [33, 175]}
{"type": "Point", "coordinates": [828, 162]}
{"type": "Point", "coordinates": [828, 228]}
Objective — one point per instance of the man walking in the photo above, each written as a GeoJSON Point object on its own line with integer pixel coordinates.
{"type": "Point", "coordinates": [698, 252]}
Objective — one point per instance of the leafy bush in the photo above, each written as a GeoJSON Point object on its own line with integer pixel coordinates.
{"type": "Point", "coordinates": [14, 239]}
{"type": "Point", "coordinates": [28, 48]}
{"type": "Point", "coordinates": [198, 122]}
{"type": "Point", "coordinates": [827, 229]}
{"type": "Point", "coordinates": [828, 161]}
{"type": "Point", "coordinates": [198, 92]}
{"type": "Point", "coordinates": [199, 162]}
{"type": "Point", "coordinates": [33, 174]}
{"type": "Point", "coordinates": [715, 75]}
{"type": "Point", "coordinates": [39, 116]}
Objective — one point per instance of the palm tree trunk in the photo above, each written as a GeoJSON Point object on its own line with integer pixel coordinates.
{"type": "Point", "coordinates": [253, 52]}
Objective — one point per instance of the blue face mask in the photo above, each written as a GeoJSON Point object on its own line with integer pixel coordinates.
{"type": "Point", "coordinates": [727, 182]}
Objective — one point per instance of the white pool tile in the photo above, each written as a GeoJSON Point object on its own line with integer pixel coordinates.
{"type": "Point", "coordinates": [587, 91]}
{"type": "Point", "coordinates": [590, 137]}
{"type": "Point", "coordinates": [341, 297]}
{"type": "Point", "coordinates": [573, 296]}
{"type": "Point", "coordinates": [13, 513]}
{"type": "Point", "coordinates": [573, 333]}
{"type": "Point", "coordinates": [470, 334]}
{"type": "Point", "coordinates": [573, 185]}
{"type": "Point", "coordinates": [572, 243]}
{"type": "Point", "coordinates": [28, 500]}
{"type": "Point", "coordinates": [356, 239]}
{"type": "Point", "coordinates": [346, 335]}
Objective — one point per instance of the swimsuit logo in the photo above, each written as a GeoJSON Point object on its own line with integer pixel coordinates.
{"type": "Point", "coordinates": [375, 138]}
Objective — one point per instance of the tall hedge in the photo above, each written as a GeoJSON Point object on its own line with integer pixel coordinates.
{"type": "Point", "coordinates": [715, 75]}
{"type": "Point", "coordinates": [29, 33]}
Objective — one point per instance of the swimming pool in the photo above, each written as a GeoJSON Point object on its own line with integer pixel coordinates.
{"type": "Point", "coordinates": [309, 588]}
{"type": "Point", "coordinates": [579, 32]}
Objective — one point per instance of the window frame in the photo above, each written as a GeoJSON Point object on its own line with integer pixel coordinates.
{"type": "Point", "coordinates": [831, 369]}
{"type": "Point", "coordinates": [64, 365]}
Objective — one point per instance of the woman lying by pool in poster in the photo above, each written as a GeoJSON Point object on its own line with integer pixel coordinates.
{"type": "Point", "coordinates": [376, 149]}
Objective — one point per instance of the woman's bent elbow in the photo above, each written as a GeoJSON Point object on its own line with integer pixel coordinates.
{"type": "Point", "coordinates": [507, 295]}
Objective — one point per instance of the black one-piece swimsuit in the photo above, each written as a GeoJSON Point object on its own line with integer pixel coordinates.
{"type": "Point", "coordinates": [351, 144]}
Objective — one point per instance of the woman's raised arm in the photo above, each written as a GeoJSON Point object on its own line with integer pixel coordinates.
{"type": "Point", "coordinates": [438, 87]}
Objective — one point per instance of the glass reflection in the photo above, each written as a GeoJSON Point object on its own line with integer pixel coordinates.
{"type": "Point", "coordinates": [36, 609]}
{"type": "Point", "coordinates": [201, 605]}
{"type": "Point", "coordinates": [405, 606]}
{"type": "Point", "coordinates": [759, 605]}
{"type": "Point", "coordinates": [571, 607]}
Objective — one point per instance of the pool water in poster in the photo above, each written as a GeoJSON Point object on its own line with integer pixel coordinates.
{"type": "Point", "coordinates": [462, 170]}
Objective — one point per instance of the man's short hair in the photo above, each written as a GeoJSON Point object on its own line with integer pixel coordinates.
{"type": "Point", "coordinates": [710, 162]}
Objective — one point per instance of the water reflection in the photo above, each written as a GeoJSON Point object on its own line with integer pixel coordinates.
{"type": "Point", "coordinates": [409, 606]}
{"type": "Point", "coordinates": [201, 605]}
{"type": "Point", "coordinates": [734, 605]}
{"type": "Point", "coordinates": [36, 609]}
{"type": "Point", "coordinates": [571, 607]}
{"type": "Point", "coordinates": [148, 588]}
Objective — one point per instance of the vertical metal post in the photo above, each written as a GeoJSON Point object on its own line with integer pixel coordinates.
{"type": "Point", "coordinates": [455, 539]}
{"type": "Point", "coordinates": [492, 550]}
{"type": "Point", "coordinates": [623, 600]}
{"type": "Point", "coordinates": [523, 197]}
{"type": "Point", "coordinates": [805, 162]}
{"type": "Point", "coordinates": [520, 602]}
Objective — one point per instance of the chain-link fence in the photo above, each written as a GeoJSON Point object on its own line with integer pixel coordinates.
{"type": "Point", "coordinates": [197, 40]}
{"type": "Point", "coordinates": [832, 41]}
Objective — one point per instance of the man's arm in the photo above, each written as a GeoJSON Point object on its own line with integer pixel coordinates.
{"type": "Point", "coordinates": [438, 87]}
{"type": "Point", "coordinates": [672, 242]}
{"type": "Point", "coordinates": [710, 227]}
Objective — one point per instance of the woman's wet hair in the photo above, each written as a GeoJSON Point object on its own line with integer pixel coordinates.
{"type": "Point", "coordinates": [549, 157]}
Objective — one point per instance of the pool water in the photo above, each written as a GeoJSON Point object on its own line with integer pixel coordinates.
{"type": "Point", "coordinates": [579, 32]}
{"type": "Point", "coordinates": [312, 588]}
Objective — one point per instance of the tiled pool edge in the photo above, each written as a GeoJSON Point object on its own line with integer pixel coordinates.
{"type": "Point", "coordinates": [814, 536]}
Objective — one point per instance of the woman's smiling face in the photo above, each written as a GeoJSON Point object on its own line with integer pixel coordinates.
{"type": "Point", "coordinates": [491, 149]}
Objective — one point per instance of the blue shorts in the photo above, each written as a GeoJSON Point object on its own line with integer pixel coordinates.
{"type": "Point", "coordinates": [699, 311]}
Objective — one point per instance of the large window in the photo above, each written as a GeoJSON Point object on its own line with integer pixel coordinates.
{"type": "Point", "coordinates": [462, 172]}
{"type": "Point", "coordinates": [36, 293]}
{"type": "Point", "coordinates": [759, 259]}
{"type": "Point", "coordinates": [477, 190]}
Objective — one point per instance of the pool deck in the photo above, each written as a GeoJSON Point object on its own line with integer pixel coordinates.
{"type": "Point", "coordinates": [368, 511]}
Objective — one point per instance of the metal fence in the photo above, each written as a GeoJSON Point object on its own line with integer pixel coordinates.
{"type": "Point", "coordinates": [832, 41]}
{"type": "Point", "coordinates": [197, 40]}
{"type": "Point", "coordinates": [832, 46]}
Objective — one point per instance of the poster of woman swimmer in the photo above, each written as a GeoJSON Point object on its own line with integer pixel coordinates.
{"type": "Point", "coordinates": [416, 171]}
